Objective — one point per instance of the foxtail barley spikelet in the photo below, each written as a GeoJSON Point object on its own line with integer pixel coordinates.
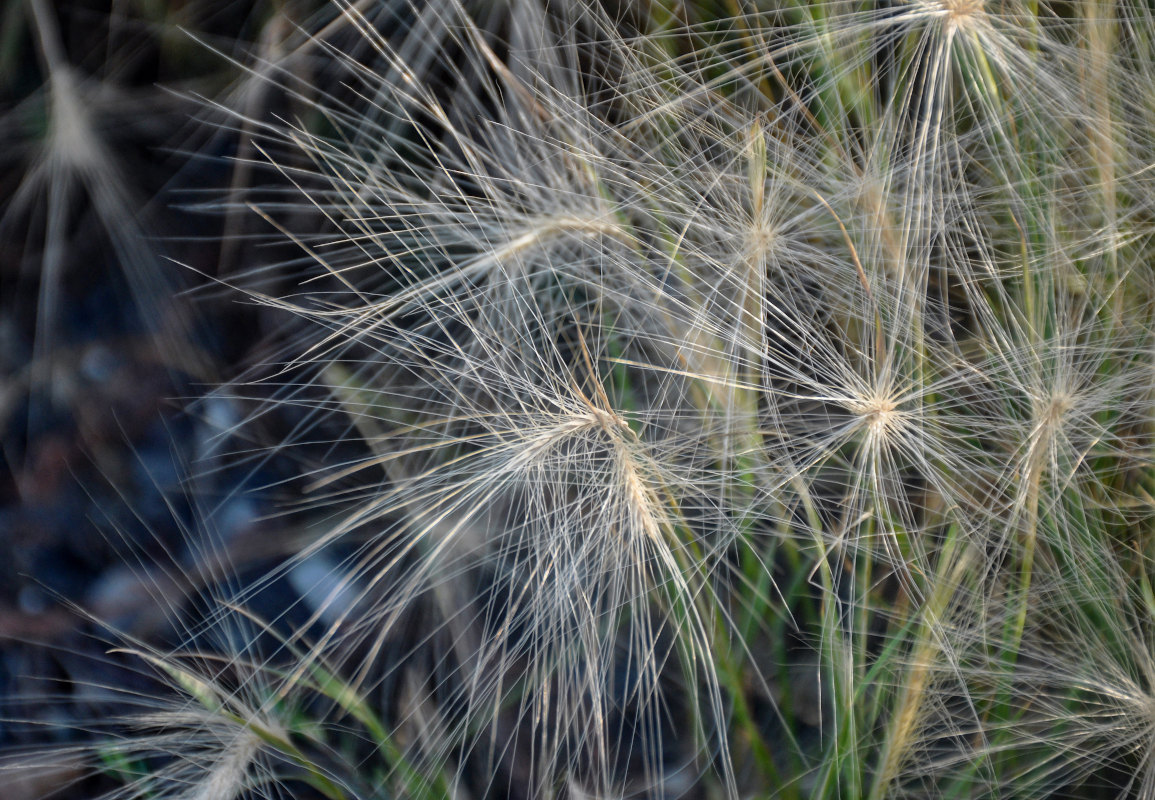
{"type": "Point", "coordinates": [640, 317]}
{"type": "Point", "coordinates": [708, 402]}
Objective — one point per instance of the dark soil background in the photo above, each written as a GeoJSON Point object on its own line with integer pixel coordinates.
{"type": "Point", "coordinates": [115, 329]}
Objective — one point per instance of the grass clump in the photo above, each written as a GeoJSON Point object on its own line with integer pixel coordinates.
{"type": "Point", "coordinates": [712, 400]}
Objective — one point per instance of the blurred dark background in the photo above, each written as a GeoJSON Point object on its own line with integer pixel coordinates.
{"type": "Point", "coordinates": [116, 325]}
